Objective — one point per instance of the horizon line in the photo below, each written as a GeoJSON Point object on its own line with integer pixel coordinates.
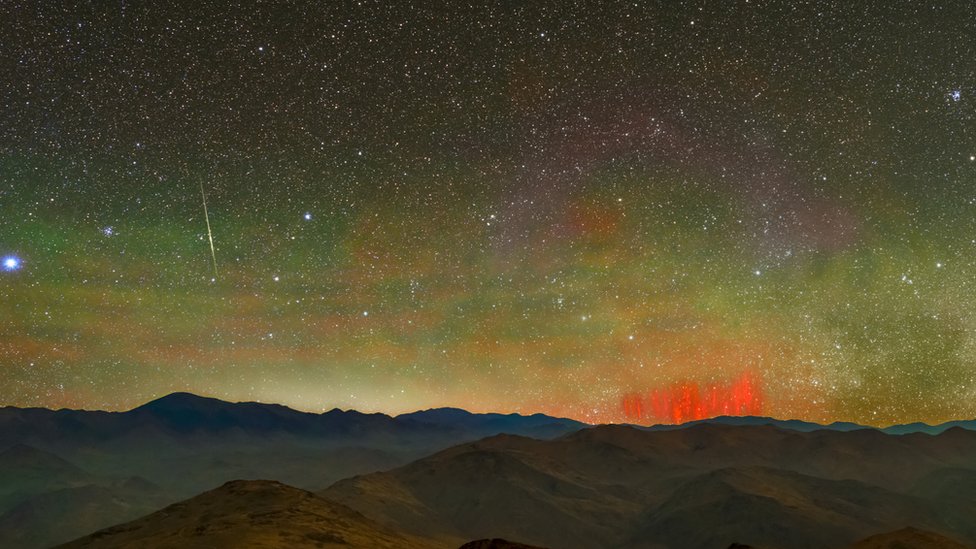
{"type": "Point", "coordinates": [325, 410]}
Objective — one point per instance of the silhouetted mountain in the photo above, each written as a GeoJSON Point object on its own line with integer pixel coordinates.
{"type": "Point", "coordinates": [182, 415]}
{"type": "Point", "coordinates": [703, 486]}
{"type": "Point", "coordinates": [790, 424]}
{"type": "Point", "coordinates": [189, 413]}
{"type": "Point", "coordinates": [806, 426]}
{"type": "Point", "coordinates": [930, 429]}
{"type": "Point", "coordinates": [252, 514]}
{"type": "Point", "coordinates": [536, 425]}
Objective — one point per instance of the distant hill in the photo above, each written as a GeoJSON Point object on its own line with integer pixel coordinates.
{"type": "Point", "coordinates": [26, 471]}
{"type": "Point", "coordinates": [193, 418]}
{"type": "Point", "coordinates": [930, 429]}
{"type": "Point", "coordinates": [806, 426]}
{"type": "Point", "coordinates": [791, 424]}
{"type": "Point", "coordinates": [253, 514]}
{"type": "Point", "coordinates": [39, 488]}
{"type": "Point", "coordinates": [75, 512]}
{"type": "Point", "coordinates": [767, 507]}
{"type": "Point", "coordinates": [536, 425]}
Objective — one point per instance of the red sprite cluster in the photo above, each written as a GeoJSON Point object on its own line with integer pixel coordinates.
{"type": "Point", "coordinates": [688, 401]}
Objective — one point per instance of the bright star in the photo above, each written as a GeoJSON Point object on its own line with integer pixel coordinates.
{"type": "Point", "coordinates": [11, 263]}
{"type": "Point", "coordinates": [956, 95]}
{"type": "Point", "coordinates": [307, 216]}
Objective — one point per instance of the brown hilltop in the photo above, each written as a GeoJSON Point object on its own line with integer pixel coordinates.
{"type": "Point", "coordinates": [908, 538]}
{"type": "Point", "coordinates": [252, 514]}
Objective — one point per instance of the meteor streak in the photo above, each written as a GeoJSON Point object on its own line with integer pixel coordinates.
{"type": "Point", "coordinates": [206, 215]}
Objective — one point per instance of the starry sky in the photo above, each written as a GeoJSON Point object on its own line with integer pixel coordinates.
{"type": "Point", "coordinates": [645, 212]}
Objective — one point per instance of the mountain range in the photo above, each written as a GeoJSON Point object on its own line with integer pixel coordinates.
{"type": "Point", "coordinates": [90, 469]}
{"type": "Point", "coordinates": [444, 477]}
{"type": "Point", "coordinates": [704, 486]}
{"type": "Point", "coordinates": [806, 426]}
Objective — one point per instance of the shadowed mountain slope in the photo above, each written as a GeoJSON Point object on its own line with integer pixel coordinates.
{"type": "Point", "coordinates": [76, 512]}
{"type": "Point", "coordinates": [775, 508]}
{"type": "Point", "coordinates": [704, 486]}
{"type": "Point", "coordinates": [26, 471]}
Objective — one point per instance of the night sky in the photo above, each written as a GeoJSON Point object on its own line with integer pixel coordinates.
{"type": "Point", "coordinates": [644, 212]}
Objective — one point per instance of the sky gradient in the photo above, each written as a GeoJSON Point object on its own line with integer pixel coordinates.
{"type": "Point", "coordinates": [616, 212]}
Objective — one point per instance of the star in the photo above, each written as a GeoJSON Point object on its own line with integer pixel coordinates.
{"type": "Point", "coordinates": [11, 263]}
{"type": "Point", "coordinates": [307, 216]}
{"type": "Point", "coordinates": [956, 95]}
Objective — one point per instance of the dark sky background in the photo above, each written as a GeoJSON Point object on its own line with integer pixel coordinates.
{"type": "Point", "coordinates": [650, 211]}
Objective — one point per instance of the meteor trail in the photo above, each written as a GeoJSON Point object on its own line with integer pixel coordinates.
{"type": "Point", "coordinates": [206, 215]}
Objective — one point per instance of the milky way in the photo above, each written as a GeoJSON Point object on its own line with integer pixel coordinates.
{"type": "Point", "coordinates": [616, 212]}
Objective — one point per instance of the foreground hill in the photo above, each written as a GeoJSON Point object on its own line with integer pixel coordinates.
{"type": "Point", "coordinates": [704, 486]}
{"type": "Point", "coordinates": [253, 514]}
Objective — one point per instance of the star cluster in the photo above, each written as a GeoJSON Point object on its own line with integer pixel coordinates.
{"type": "Point", "coordinates": [582, 209]}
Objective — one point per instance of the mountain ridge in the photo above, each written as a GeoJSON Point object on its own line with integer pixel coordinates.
{"type": "Point", "coordinates": [183, 401]}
